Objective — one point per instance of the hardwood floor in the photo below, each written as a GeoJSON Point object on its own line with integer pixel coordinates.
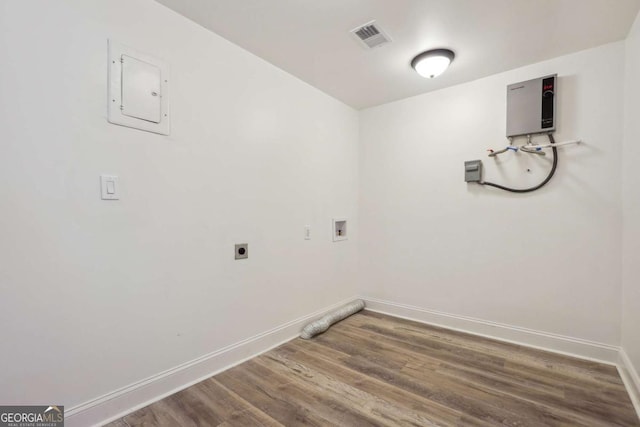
{"type": "Point", "coordinates": [376, 370]}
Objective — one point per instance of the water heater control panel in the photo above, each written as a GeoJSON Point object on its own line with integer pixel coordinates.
{"type": "Point", "coordinates": [531, 106]}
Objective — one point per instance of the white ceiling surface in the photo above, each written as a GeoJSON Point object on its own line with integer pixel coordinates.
{"type": "Point", "coordinates": [311, 40]}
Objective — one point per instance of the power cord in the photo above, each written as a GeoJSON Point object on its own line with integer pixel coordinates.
{"type": "Point", "coordinates": [542, 184]}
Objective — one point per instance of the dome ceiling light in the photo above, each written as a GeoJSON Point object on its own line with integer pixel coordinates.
{"type": "Point", "coordinates": [433, 62]}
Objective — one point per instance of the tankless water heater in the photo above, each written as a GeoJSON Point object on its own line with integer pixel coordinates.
{"type": "Point", "coordinates": [531, 106]}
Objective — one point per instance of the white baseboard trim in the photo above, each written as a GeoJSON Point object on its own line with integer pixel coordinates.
{"type": "Point", "coordinates": [575, 347]}
{"type": "Point", "coordinates": [583, 349]}
{"type": "Point", "coordinates": [630, 378]}
{"type": "Point", "coordinates": [116, 404]}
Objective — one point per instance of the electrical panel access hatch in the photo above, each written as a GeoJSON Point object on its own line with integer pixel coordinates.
{"type": "Point", "coordinates": [138, 90]}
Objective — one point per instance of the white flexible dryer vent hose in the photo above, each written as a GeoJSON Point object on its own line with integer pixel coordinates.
{"type": "Point", "coordinates": [322, 324]}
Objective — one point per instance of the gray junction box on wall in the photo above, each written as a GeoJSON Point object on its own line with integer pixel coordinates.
{"type": "Point", "coordinates": [473, 171]}
{"type": "Point", "coordinates": [531, 106]}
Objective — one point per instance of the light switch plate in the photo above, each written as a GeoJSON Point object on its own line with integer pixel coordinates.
{"type": "Point", "coordinates": [138, 90]}
{"type": "Point", "coordinates": [109, 187]}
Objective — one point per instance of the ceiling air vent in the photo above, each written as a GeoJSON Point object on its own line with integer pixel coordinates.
{"type": "Point", "coordinates": [371, 35]}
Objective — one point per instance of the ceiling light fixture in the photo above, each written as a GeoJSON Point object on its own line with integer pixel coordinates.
{"type": "Point", "coordinates": [432, 63]}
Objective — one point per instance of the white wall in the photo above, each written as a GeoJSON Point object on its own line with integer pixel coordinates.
{"type": "Point", "coordinates": [549, 260]}
{"type": "Point", "coordinates": [631, 203]}
{"type": "Point", "coordinates": [95, 295]}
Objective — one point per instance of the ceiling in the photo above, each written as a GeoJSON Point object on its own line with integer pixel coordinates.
{"type": "Point", "coordinates": [311, 39]}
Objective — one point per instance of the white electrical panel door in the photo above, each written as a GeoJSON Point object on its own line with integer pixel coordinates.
{"type": "Point", "coordinates": [141, 91]}
{"type": "Point", "coordinates": [138, 90]}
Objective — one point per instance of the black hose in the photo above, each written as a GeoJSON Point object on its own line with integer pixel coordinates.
{"type": "Point", "coordinates": [542, 184]}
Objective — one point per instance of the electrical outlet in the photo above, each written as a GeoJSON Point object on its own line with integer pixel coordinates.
{"type": "Point", "coordinates": [242, 251]}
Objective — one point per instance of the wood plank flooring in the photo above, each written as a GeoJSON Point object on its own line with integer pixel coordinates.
{"type": "Point", "coordinates": [376, 370]}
